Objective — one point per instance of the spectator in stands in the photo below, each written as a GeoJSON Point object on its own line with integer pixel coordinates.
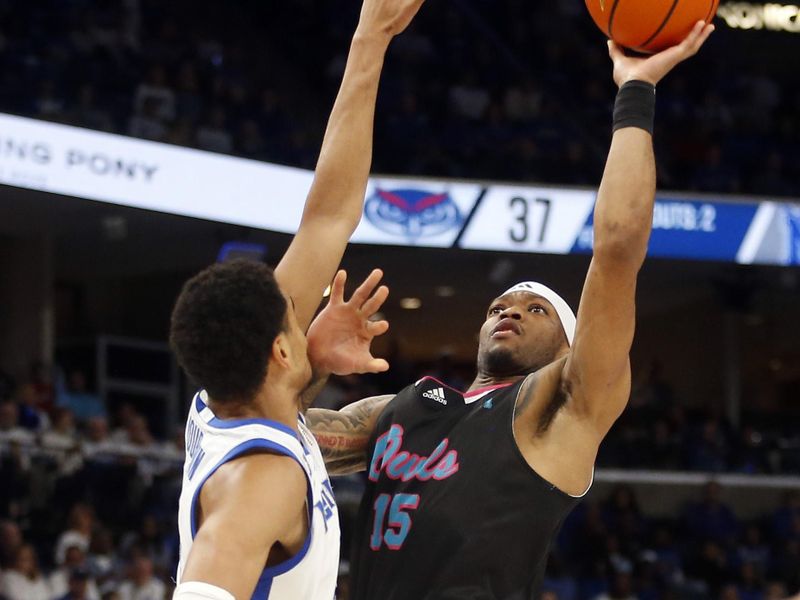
{"type": "Point", "coordinates": [664, 450]}
{"type": "Point", "coordinates": [125, 414]}
{"type": "Point", "coordinates": [42, 385]}
{"type": "Point", "coordinates": [49, 104]}
{"type": "Point", "coordinates": [137, 433]}
{"type": "Point", "coordinates": [469, 99]}
{"type": "Point", "coordinates": [668, 565]}
{"type": "Point", "coordinates": [6, 386]}
{"type": "Point", "coordinates": [748, 454]}
{"type": "Point", "coordinates": [653, 392]}
{"type": "Point", "coordinates": [15, 464]}
{"type": "Point", "coordinates": [81, 522]}
{"type": "Point", "coordinates": [621, 588]}
{"type": "Point", "coordinates": [10, 543]}
{"type": "Point", "coordinates": [148, 541]}
{"type": "Point", "coordinates": [711, 568]}
{"type": "Point", "coordinates": [558, 582]}
{"type": "Point", "coordinates": [622, 516]}
{"type": "Point", "coordinates": [711, 519]}
{"type": "Point", "coordinates": [772, 179]}
{"type": "Point", "coordinates": [213, 135]}
{"type": "Point", "coordinates": [24, 581]}
{"type": "Point", "coordinates": [182, 132]}
{"type": "Point", "coordinates": [787, 564]}
{"type": "Point", "coordinates": [61, 442]}
{"type": "Point", "coordinates": [79, 587]}
{"type": "Point", "coordinates": [715, 173]}
{"type": "Point", "coordinates": [140, 584]}
{"type": "Point", "coordinates": [61, 579]}
{"type": "Point", "coordinates": [187, 99]}
{"type": "Point", "coordinates": [96, 439]}
{"type": "Point", "coordinates": [146, 123]}
{"type": "Point", "coordinates": [783, 520]}
{"type": "Point", "coordinates": [710, 452]}
{"type": "Point", "coordinates": [31, 416]}
{"type": "Point", "coordinates": [77, 398]}
{"type": "Point", "coordinates": [86, 112]}
{"type": "Point", "coordinates": [10, 431]}
{"type": "Point", "coordinates": [753, 551]}
{"type": "Point", "coordinates": [156, 91]}
{"type": "Point", "coordinates": [750, 585]}
{"type": "Point", "coordinates": [101, 560]}
{"type": "Point", "coordinates": [523, 101]}
{"type": "Point", "coordinates": [775, 591]}
{"type": "Point", "coordinates": [729, 592]}
{"type": "Point", "coordinates": [250, 142]}
{"type": "Point", "coordinates": [61, 435]}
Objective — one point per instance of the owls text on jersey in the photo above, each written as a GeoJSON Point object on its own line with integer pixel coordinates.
{"type": "Point", "coordinates": [210, 443]}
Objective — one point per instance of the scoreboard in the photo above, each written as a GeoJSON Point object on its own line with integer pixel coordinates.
{"type": "Point", "coordinates": [71, 161]}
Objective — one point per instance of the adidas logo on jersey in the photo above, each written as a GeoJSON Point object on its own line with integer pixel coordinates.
{"type": "Point", "coordinates": [436, 394]}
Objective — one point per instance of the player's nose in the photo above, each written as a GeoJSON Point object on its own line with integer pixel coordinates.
{"type": "Point", "coordinates": [512, 312]}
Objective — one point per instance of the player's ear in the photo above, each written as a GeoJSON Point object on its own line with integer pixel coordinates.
{"type": "Point", "coordinates": [281, 350]}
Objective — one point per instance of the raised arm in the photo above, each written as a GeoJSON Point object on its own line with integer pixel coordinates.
{"type": "Point", "coordinates": [334, 204]}
{"type": "Point", "coordinates": [342, 435]}
{"type": "Point", "coordinates": [597, 372]}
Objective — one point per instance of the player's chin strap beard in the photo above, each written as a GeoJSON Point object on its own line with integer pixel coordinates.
{"type": "Point", "coordinates": [313, 387]}
{"type": "Point", "coordinates": [501, 363]}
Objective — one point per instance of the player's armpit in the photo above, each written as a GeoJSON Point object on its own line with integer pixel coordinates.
{"type": "Point", "coordinates": [343, 435]}
{"type": "Point", "coordinates": [247, 506]}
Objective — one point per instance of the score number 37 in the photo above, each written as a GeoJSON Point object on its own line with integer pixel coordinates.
{"type": "Point", "coordinates": [523, 229]}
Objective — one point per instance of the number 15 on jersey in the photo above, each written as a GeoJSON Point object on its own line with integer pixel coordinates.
{"type": "Point", "coordinates": [398, 520]}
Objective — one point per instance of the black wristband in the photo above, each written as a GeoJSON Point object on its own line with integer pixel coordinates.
{"type": "Point", "coordinates": [635, 106]}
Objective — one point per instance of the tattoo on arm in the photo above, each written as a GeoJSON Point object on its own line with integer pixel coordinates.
{"type": "Point", "coordinates": [343, 435]}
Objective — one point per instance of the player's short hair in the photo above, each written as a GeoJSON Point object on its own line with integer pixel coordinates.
{"type": "Point", "coordinates": [223, 326]}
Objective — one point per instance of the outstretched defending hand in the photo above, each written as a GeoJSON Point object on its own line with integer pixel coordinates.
{"type": "Point", "coordinates": [387, 17]}
{"type": "Point", "coordinates": [340, 336]}
{"type": "Point", "coordinates": [652, 69]}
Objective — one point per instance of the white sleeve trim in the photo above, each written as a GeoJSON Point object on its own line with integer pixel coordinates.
{"type": "Point", "coordinates": [197, 590]}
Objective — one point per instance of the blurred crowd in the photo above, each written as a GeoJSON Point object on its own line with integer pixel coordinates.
{"type": "Point", "coordinates": [89, 500]}
{"type": "Point", "coordinates": [497, 89]}
{"type": "Point", "coordinates": [611, 550]}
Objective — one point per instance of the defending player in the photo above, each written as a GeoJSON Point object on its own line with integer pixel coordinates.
{"type": "Point", "coordinates": [257, 517]}
{"type": "Point", "coordinates": [466, 491]}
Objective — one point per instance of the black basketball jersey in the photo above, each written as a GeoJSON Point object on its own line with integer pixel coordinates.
{"type": "Point", "coordinates": [452, 510]}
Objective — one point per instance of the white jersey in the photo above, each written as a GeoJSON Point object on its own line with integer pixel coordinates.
{"type": "Point", "coordinates": [211, 442]}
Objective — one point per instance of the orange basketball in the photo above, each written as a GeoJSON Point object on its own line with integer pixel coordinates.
{"type": "Point", "coordinates": [650, 25]}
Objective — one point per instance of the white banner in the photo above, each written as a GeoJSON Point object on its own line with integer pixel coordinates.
{"type": "Point", "coordinates": [121, 170]}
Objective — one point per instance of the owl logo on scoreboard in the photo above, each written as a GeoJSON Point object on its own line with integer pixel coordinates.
{"type": "Point", "coordinates": [412, 214]}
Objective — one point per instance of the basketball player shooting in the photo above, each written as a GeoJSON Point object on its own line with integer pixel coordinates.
{"type": "Point", "coordinates": [466, 491]}
{"type": "Point", "coordinates": [257, 517]}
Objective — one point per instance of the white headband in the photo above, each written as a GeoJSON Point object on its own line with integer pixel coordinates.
{"type": "Point", "coordinates": [562, 308]}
